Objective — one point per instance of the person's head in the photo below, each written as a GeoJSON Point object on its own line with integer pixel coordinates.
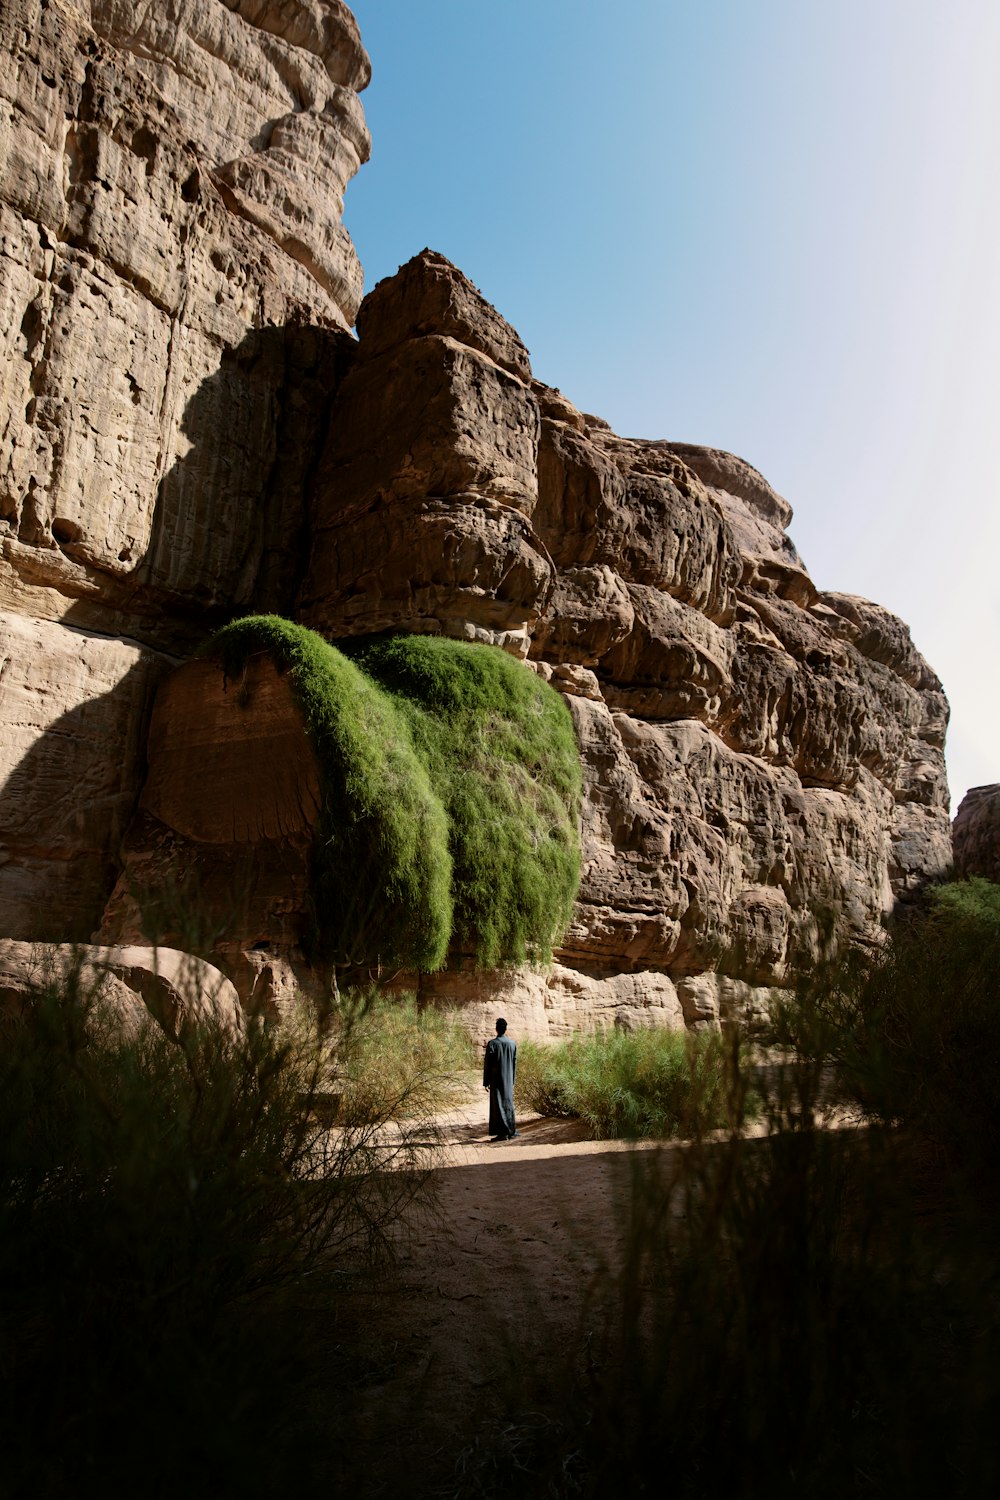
{"type": "Point", "coordinates": [501, 1026]}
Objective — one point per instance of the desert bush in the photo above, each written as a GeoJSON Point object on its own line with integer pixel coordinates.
{"type": "Point", "coordinates": [385, 1059]}
{"type": "Point", "coordinates": [499, 747]}
{"type": "Point", "coordinates": [915, 1028]}
{"type": "Point", "coordinates": [653, 1083]}
{"type": "Point", "coordinates": [783, 1328]}
{"type": "Point", "coordinates": [175, 1224]}
{"type": "Point", "coordinates": [382, 870]}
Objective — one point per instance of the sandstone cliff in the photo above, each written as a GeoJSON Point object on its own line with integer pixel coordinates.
{"type": "Point", "coordinates": [976, 834]}
{"type": "Point", "coordinates": [192, 433]}
{"type": "Point", "coordinates": [174, 286]}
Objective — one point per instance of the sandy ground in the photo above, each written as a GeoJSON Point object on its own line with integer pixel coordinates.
{"type": "Point", "coordinates": [499, 1280]}
{"type": "Point", "coordinates": [504, 1275]}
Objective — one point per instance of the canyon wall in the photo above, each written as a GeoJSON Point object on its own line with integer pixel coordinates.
{"type": "Point", "coordinates": [976, 834]}
{"type": "Point", "coordinates": [175, 285]}
{"type": "Point", "coordinates": [192, 433]}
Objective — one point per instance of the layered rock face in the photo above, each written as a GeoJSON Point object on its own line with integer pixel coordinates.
{"type": "Point", "coordinates": [976, 834]}
{"type": "Point", "coordinates": [121, 987]}
{"type": "Point", "coordinates": [191, 433]}
{"type": "Point", "coordinates": [172, 182]}
{"type": "Point", "coordinates": [175, 286]}
{"type": "Point", "coordinates": [764, 763]}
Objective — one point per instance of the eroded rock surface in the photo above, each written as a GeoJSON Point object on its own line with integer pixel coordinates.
{"type": "Point", "coordinates": [190, 432]}
{"type": "Point", "coordinates": [764, 763]}
{"type": "Point", "coordinates": [121, 987]}
{"type": "Point", "coordinates": [220, 848]}
{"type": "Point", "coordinates": [173, 278]}
{"type": "Point", "coordinates": [423, 503]}
{"type": "Point", "coordinates": [74, 714]}
{"type": "Point", "coordinates": [175, 293]}
{"type": "Point", "coordinates": [976, 834]}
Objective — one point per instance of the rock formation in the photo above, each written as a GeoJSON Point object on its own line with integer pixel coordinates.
{"type": "Point", "coordinates": [193, 434]}
{"type": "Point", "coordinates": [175, 284]}
{"type": "Point", "coordinates": [976, 834]}
{"type": "Point", "coordinates": [120, 986]}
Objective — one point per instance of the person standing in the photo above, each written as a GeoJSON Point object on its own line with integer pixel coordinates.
{"type": "Point", "coordinates": [499, 1071]}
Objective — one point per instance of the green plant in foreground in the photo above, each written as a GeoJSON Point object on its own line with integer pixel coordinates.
{"type": "Point", "coordinates": [651, 1083]}
{"type": "Point", "coordinates": [780, 1327]}
{"type": "Point", "coordinates": [915, 1030]}
{"type": "Point", "coordinates": [781, 1316]}
{"type": "Point", "coordinates": [175, 1222]}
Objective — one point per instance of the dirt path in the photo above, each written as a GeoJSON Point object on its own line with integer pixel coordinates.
{"type": "Point", "coordinates": [501, 1280]}
{"type": "Point", "coordinates": [496, 1281]}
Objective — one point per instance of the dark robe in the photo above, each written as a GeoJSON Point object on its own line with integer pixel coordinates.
{"type": "Point", "coordinates": [499, 1069]}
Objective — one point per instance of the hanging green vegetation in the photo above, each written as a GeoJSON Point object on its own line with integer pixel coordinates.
{"type": "Point", "coordinates": [451, 783]}
{"type": "Point", "coordinates": [382, 871]}
{"type": "Point", "coordinates": [499, 745]}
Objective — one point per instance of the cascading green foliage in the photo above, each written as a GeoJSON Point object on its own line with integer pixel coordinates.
{"type": "Point", "coordinates": [451, 783]}
{"type": "Point", "coordinates": [502, 754]}
{"type": "Point", "coordinates": [382, 872]}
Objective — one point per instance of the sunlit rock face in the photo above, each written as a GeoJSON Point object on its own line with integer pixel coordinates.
{"type": "Point", "coordinates": [764, 763]}
{"type": "Point", "coordinates": [191, 431]}
{"type": "Point", "coordinates": [173, 277]}
{"type": "Point", "coordinates": [176, 290]}
{"type": "Point", "coordinates": [422, 512]}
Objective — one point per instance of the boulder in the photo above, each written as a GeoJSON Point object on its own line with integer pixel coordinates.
{"type": "Point", "coordinates": [126, 985]}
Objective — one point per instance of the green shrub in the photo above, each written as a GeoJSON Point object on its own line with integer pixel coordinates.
{"type": "Point", "coordinates": [780, 1326]}
{"type": "Point", "coordinates": [175, 1223]}
{"type": "Point", "coordinates": [385, 1059]}
{"type": "Point", "coordinates": [451, 789]}
{"type": "Point", "coordinates": [915, 1029]}
{"type": "Point", "coordinates": [637, 1084]}
{"type": "Point", "coordinates": [967, 908]}
{"type": "Point", "coordinates": [501, 753]}
{"type": "Point", "coordinates": [382, 875]}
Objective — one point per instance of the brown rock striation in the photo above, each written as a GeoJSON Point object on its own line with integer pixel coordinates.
{"type": "Point", "coordinates": [764, 763]}
{"type": "Point", "coordinates": [191, 432]}
{"type": "Point", "coordinates": [976, 834]}
{"type": "Point", "coordinates": [74, 712]}
{"type": "Point", "coordinates": [425, 492]}
{"type": "Point", "coordinates": [175, 293]}
{"type": "Point", "coordinates": [173, 279]}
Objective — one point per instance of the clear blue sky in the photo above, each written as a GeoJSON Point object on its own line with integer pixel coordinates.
{"type": "Point", "coordinates": [768, 225]}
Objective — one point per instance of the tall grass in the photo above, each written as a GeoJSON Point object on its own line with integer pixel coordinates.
{"type": "Point", "coordinates": [814, 1313]}
{"type": "Point", "coordinates": [636, 1084]}
{"type": "Point", "coordinates": [915, 1030]}
{"type": "Point", "coordinates": [500, 749]}
{"type": "Point", "coordinates": [786, 1324]}
{"type": "Point", "coordinates": [382, 1058]}
{"type": "Point", "coordinates": [382, 871]}
{"type": "Point", "coordinates": [451, 783]}
{"type": "Point", "coordinates": [175, 1225]}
